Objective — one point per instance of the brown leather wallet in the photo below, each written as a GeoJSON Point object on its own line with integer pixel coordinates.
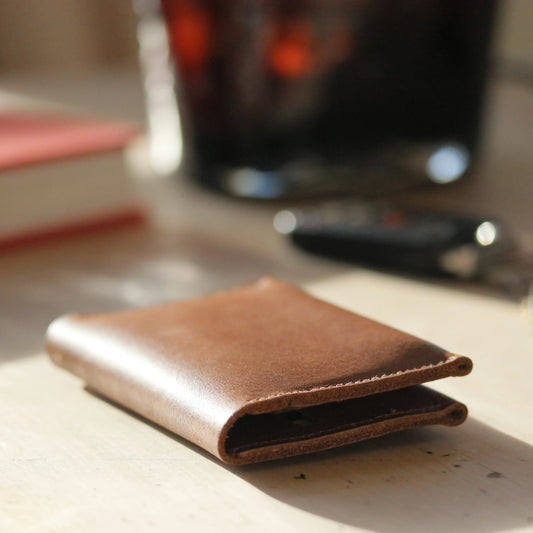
{"type": "Point", "coordinates": [260, 372]}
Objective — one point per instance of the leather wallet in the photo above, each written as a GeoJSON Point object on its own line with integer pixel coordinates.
{"type": "Point", "coordinates": [260, 372]}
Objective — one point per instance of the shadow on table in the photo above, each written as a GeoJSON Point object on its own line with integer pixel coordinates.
{"type": "Point", "coordinates": [471, 478]}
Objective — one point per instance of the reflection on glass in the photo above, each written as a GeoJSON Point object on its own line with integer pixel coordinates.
{"type": "Point", "coordinates": [448, 163]}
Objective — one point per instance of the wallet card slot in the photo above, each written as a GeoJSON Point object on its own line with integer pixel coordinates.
{"type": "Point", "coordinates": [254, 431]}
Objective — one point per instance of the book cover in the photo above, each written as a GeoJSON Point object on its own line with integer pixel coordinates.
{"type": "Point", "coordinates": [62, 175]}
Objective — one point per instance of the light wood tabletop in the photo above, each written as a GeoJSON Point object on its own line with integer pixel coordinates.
{"type": "Point", "coordinates": [71, 461]}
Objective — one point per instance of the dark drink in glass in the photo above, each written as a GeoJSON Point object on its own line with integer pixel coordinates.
{"type": "Point", "coordinates": [305, 96]}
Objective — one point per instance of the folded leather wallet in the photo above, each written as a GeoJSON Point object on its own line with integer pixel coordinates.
{"type": "Point", "coordinates": [260, 372]}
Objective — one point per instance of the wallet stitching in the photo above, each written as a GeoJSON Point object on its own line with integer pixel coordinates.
{"type": "Point", "coordinates": [355, 382]}
{"type": "Point", "coordinates": [342, 427]}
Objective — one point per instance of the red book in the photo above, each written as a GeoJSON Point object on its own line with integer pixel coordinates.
{"type": "Point", "coordinates": [62, 175]}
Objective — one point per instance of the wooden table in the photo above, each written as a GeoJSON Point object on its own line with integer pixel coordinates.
{"type": "Point", "coordinates": [70, 461]}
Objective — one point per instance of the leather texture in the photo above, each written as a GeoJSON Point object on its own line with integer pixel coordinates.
{"type": "Point", "coordinates": [259, 372]}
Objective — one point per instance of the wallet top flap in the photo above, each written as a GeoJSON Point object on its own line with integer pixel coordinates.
{"type": "Point", "coordinates": [196, 366]}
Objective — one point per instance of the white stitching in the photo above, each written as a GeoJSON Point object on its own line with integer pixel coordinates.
{"type": "Point", "coordinates": [349, 383]}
